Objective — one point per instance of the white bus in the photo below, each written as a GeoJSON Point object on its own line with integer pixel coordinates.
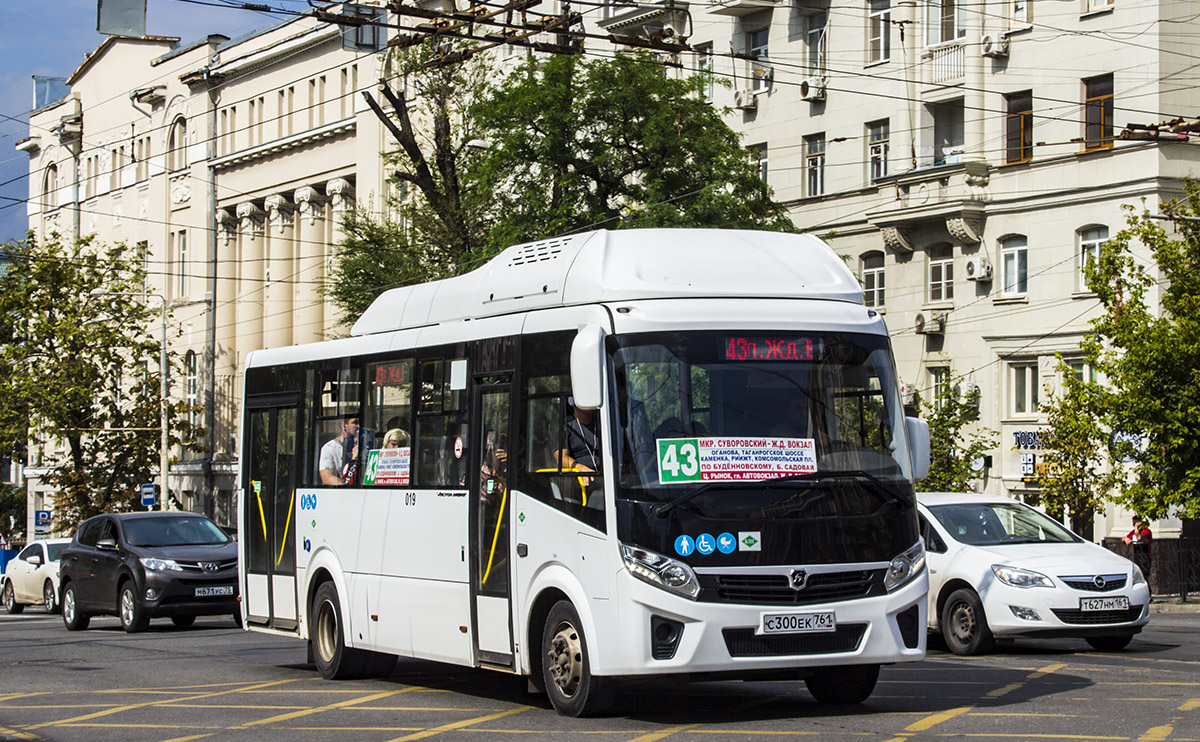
{"type": "Point", "coordinates": [621, 453]}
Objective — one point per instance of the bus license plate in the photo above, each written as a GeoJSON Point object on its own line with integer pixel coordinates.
{"type": "Point", "coordinates": [1119, 603]}
{"type": "Point", "coordinates": [797, 623]}
{"type": "Point", "coordinates": [207, 592]}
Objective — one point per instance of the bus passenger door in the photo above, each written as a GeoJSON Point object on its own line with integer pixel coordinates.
{"type": "Point", "coordinates": [269, 498]}
{"type": "Point", "coordinates": [491, 584]}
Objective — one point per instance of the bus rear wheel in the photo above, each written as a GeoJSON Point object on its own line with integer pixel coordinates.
{"type": "Point", "coordinates": [842, 685]}
{"type": "Point", "coordinates": [566, 666]}
{"type": "Point", "coordinates": [334, 660]}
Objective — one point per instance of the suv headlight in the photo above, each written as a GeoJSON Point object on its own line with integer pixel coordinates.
{"type": "Point", "coordinates": [154, 564]}
{"type": "Point", "coordinates": [904, 567]}
{"type": "Point", "coordinates": [1017, 577]}
{"type": "Point", "coordinates": [1138, 577]}
{"type": "Point", "coordinates": [660, 571]}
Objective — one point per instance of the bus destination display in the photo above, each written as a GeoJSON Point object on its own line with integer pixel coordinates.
{"type": "Point", "coordinates": [761, 348]}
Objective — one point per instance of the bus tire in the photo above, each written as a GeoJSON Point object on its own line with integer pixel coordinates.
{"type": "Point", "coordinates": [1110, 643]}
{"type": "Point", "coordinates": [964, 624]}
{"type": "Point", "coordinates": [845, 685]}
{"type": "Point", "coordinates": [334, 660]}
{"type": "Point", "coordinates": [566, 666]}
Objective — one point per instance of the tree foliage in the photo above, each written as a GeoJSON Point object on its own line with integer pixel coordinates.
{"type": "Point", "coordinates": [953, 445]}
{"type": "Point", "coordinates": [489, 157]}
{"type": "Point", "coordinates": [81, 373]}
{"type": "Point", "coordinates": [1147, 345]}
{"type": "Point", "coordinates": [1078, 478]}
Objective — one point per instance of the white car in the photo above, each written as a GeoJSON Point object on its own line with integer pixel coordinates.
{"type": "Point", "coordinates": [999, 569]}
{"type": "Point", "coordinates": [32, 576]}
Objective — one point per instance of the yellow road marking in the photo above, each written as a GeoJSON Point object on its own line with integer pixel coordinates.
{"type": "Point", "coordinates": [66, 706]}
{"type": "Point", "coordinates": [188, 739]}
{"type": "Point", "coordinates": [1001, 692]}
{"type": "Point", "coordinates": [1157, 734]}
{"type": "Point", "coordinates": [776, 732]}
{"type": "Point", "coordinates": [460, 724]}
{"type": "Point", "coordinates": [170, 705]}
{"type": "Point", "coordinates": [938, 718]}
{"type": "Point", "coordinates": [1020, 714]}
{"type": "Point", "coordinates": [131, 706]}
{"type": "Point", "coordinates": [14, 696]}
{"type": "Point", "coordinates": [1191, 705]}
{"type": "Point", "coordinates": [655, 736]}
{"type": "Point", "coordinates": [1027, 735]}
{"type": "Point", "coordinates": [13, 733]}
{"type": "Point", "coordinates": [320, 709]}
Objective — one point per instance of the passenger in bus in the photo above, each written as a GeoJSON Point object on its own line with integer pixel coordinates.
{"type": "Point", "coordinates": [332, 460]}
{"type": "Point", "coordinates": [582, 436]}
{"type": "Point", "coordinates": [395, 438]}
{"type": "Point", "coordinates": [795, 425]}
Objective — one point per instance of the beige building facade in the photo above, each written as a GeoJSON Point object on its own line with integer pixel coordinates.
{"type": "Point", "coordinates": [962, 156]}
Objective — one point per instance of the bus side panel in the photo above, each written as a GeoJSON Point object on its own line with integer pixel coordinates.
{"type": "Point", "coordinates": [441, 621]}
{"type": "Point", "coordinates": [555, 560]}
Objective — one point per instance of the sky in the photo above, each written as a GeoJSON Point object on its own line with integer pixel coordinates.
{"type": "Point", "coordinates": [51, 37]}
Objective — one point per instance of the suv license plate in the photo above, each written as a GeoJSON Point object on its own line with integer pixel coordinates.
{"type": "Point", "coordinates": [797, 623]}
{"type": "Point", "coordinates": [1120, 603]}
{"type": "Point", "coordinates": [205, 592]}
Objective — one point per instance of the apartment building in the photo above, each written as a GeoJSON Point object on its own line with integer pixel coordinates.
{"type": "Point", "coordinates": [963, 156]}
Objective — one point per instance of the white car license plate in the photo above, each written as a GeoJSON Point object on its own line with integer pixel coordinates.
{"type": "Point", "coordinates": [206, 592]}
{"type": "Point", "coordinates": [1119, 603]}
{"type": "Point", "coordinates": [797, 623]}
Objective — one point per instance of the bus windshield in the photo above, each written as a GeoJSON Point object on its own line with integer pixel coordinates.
{"type": "Point", "coordinates": [745, 408]}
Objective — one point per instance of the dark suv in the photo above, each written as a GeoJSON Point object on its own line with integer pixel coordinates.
{"type": "Point", "coordinates": [145, 565]}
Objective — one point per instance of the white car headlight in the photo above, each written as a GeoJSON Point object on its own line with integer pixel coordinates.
{"type": "Point", "coordinates": [1138, 577]}
{"type": "Point", "coordinates": [154, 564]}
{"type": "Point", "coordinates": [904, 567]}
{"type": "Point", "coordinates": [1017, 577]}
{"type": "Point", "coordinates": [660, 571]}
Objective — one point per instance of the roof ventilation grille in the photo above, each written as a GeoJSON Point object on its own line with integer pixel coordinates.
{"type": "Point", "coordinates": [537, 252]}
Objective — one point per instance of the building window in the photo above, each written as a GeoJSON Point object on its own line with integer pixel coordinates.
{"type": "Point", "coordinates": [758, 158]}
{"type": "Point", "coordinates": [758, 71]}
{"type": "Point", "coordinates": [814, 163]}
{"type": "Point", "coordinates": [116, 162]}
{"type": "Point", "coordinates": [192, 381]}
{"type": "Point", "coordinates": [1090, 6]}
{"type": "Point", "coordinates": [949, 136]}
{"type": "Point", "coordinates": [1022, 12]}
{"type": "Point", "coordinates": [878, 134]}
{"type": "Point", "coordinates": [142, 154]}
{"type": "Point", "coordinates": [1018, 127]}
{"type": "Point", "coordinates": [879, 30]}
{"type": "Point", "coordinates": [1098, 112]}
{"type": "Point", "coordinates": [1082, 370]}
{"type": "Point", "coordinates": [91, 166]}
{"type": "Point", "coordinates": [945, 21]}
{"type": "Point", "coordinates": [50, 188]}
{"type": "Point", "coordinates": [941, 273]}
{"type": "Point", "coordinates": [1023, 378]}
{"type": "Point", "coordinates": [872, 279]}
{"type": "Point", "coordinates": [704, 68]}
{"type": "Point", "coordinates": [939, 385]}
{"type": "Point", "coordinates": [817, 43]}
{"type": "Point", "coordinates": [1090, 240]}
{"type": "Point", "coordinates": [181, 263]}
{"type": "Point", "coordinates": [1014, 263]}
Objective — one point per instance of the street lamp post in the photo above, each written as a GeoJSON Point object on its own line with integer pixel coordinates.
{"type": "Point", "coordinates": [162, 399]}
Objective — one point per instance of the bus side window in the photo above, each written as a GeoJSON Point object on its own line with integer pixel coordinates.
{"type": "Point", "coordinates": [442, 433]}
{"type": "Point", "coordinates": [337, 425]}
{"type": "Point", "coordinates": [389, 408]}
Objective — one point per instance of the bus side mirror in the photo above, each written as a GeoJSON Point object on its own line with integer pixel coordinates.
{"type": "Point", "coordinates": [917, 432]}
{"type": "Point", "coordinates": [587, 367]}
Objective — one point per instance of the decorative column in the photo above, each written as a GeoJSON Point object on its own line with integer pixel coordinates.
{"type": "Point", "coordinates": [280, 274]}
{"type": "Point", "coordinates": [250, 283]}
{"type": "Point", "coordinates": [308, 304]}
{"type": "Point", "coordinates": [341, 198]}
{"type": "Point", "coordinates": [225, 302]}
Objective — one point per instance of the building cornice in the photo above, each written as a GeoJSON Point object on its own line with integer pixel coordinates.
{"type": "Point", "coordinates": [328, 131]}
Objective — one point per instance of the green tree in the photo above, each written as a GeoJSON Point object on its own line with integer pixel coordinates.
{"type": "Point", "coordinates": [952, 446]}
{"type": "Point", "coordinates": [81, 377]}
{"type": "Point", "coordinates": [13, 513]}
{"type": "Point", "coordinates": [1078, 479]}
{"type": "Point", "coordinates": [1147, 345]}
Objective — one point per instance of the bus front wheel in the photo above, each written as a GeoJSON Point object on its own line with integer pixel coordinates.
{"type": "Point", "coordinates": [566, 666]}
{"type": "Point", "coordinates": [848, 684]}
{"type": "Point", "coordinates": [334, 660]}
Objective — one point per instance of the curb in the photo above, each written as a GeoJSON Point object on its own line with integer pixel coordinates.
{"type": "Point", "coordinates": [1175, 607]}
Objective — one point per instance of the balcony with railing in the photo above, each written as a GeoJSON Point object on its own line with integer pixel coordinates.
{"type": "Point", "coordinates": [944, 63]}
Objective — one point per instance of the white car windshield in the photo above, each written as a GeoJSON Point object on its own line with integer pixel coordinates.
{"type": "Point", "coordinates": [994, 524]}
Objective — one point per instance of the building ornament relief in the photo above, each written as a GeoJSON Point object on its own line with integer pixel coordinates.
{"type": "Point", "coordinates": [340, 193]}
{"type": "Point", "coordinates": [279, 212]}
{"type": "Point", "coordinates": [250, 219]}
{"type": "Point", "coordinates": [898, 240]}
{"type": "Point", "coordinates": [308, 203]}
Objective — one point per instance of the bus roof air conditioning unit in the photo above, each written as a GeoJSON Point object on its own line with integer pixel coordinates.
{"type": "Point", "coordinates": [812, 88]}
{"type": "Point", "coordinates": [979, 268]}
{"type": "Point", "coordinates": [931, 323]}
{"type": "Point", "coordinates": [745, 99]}
{"type": "Point", "coordinates": [995, 45]}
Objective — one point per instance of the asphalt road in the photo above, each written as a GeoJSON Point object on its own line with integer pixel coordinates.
{"type": "Point", "coordinates": [216, 682]}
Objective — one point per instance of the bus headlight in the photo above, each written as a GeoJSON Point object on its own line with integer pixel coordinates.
{"type": "Point", "coordinates": [904, 567]}
{"type": "Point", "coordinates": [661, 571]}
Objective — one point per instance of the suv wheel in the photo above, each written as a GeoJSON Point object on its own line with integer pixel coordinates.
{"type": "Point", "coordinates": [129, 608]}
{"type": "Point", "coordinates": [73, 618]}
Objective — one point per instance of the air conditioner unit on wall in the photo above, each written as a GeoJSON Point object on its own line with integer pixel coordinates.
{"type": "Point", "coordinates": [812, 88]}
{"type": "Point", "coordinates": [933, 323]}
{"type": "Point", "coordinates": [908, 394]}
{"type": "Point", "coordinates": [745, 99]}
{"type": "Point", "coordinates": [995, 45]}
{"type": "Point", "coordinates": [967, 391]}
{"type": "Point", "coordinates": [979, 268]}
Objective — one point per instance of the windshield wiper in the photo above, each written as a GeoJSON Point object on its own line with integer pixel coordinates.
{"type": "Point", "coordinates": [881, 486]}
{"type": "Point", "coordinates": [663, 508]}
